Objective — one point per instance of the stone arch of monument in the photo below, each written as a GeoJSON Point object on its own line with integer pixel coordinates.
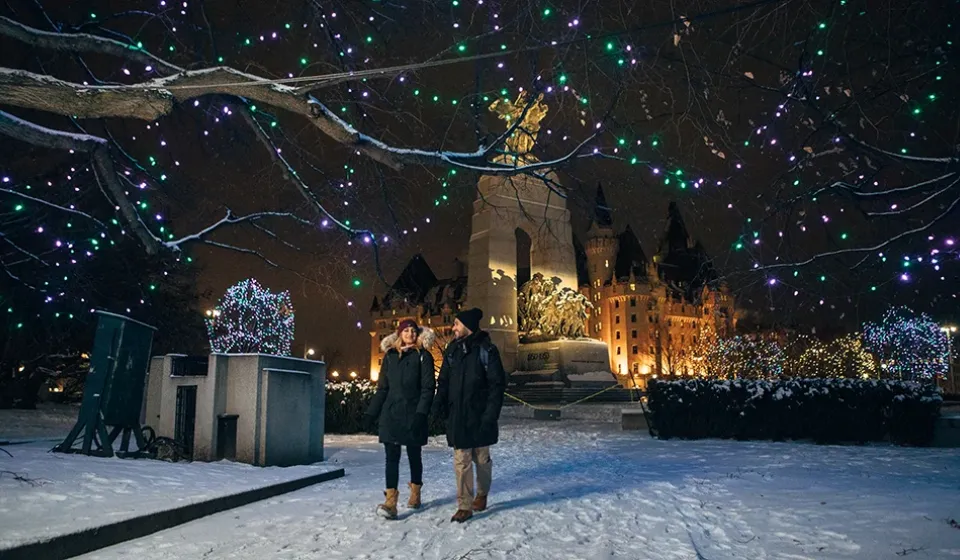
{"type": "Point", "coordinates": [503, 206]}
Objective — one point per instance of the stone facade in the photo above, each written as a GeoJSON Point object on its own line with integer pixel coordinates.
{"type": "Point", "coordinates": [652, 313]}
{"type": "Point", "coordinates": [253, 408]}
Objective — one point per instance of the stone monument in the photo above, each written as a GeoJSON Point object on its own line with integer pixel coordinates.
{"type": "Point", "coordinates": [530, 203]}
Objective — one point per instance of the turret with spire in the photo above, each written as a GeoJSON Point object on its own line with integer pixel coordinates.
{"type": "Point", "coordinates": [601, 246]}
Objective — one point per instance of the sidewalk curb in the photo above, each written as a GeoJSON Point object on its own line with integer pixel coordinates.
{"type": "Point", "coordinates": [96, 538]}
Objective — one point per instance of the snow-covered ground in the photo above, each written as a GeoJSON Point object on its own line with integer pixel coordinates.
{"type": "Point", "coordinates": [49, 420]}
{"type": "Point", "coordinates": [565, 490]}
{"type": "Point", "coordinates": [60, 494]}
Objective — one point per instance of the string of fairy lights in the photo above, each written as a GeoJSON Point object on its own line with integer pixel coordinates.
{"type": "Point", "coordinates": [903, 345]}
{"type": "Point", "coordinates": [359, 43]}
{"type": "Point", "coordinates": [251, 319]}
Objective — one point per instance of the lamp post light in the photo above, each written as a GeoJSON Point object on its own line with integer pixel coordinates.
{"type": "Point", "coordinates": [335, 374]}
{"type": "Point", "coordinates": [948, 331]}
{"type": "Point", "coordinates": [308, 353]}
{"type": "Point", "coordinates": [353, 375]}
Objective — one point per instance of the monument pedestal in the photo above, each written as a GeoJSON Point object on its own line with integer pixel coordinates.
{"type": "Point", "coordinates": [575, 363]}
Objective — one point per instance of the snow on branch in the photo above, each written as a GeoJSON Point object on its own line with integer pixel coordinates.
{"type": "Point", "coordinates": [81, 42]}
{"type": "Point", "coordinates": [230, 219]}
{"type": "Point", "coordinates": [155, 98]}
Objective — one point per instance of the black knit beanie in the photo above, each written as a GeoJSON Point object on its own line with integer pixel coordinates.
{"type": "Point", "coordinates": [471, 318]}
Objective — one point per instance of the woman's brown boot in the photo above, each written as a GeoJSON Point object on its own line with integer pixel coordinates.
{"type": "Point", "coordinates": [414, 501]}
{"type": "Point", "coordinates": [388, 509]}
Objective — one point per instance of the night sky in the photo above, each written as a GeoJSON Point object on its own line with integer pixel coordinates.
{"type": "Point", "coordinates": [773, 100]}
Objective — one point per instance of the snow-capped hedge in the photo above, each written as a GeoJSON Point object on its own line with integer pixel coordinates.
{"type": "Point", "coordinates": [347, 401]}
{"type": "Point", "coordinates": [824, 410]}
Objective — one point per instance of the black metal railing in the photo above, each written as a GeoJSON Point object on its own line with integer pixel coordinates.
{"type": "Point", "coordinates": [189, 366]}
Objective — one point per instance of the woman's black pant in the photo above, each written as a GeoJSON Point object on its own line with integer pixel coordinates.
{"type": "Point", "coordinates": [393, 464]}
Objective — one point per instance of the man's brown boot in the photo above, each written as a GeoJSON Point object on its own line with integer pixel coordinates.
{"type": "Point", "coordinates": [388, 509]}
{"type": "Point", "coordinates": [461, 515]}
{"type": "Point", "coordinates": [480, 502]}
{"type": "Point", "coordinates": [414, 501]}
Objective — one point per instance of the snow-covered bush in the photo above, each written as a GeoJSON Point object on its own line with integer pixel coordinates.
{"type": "Point", "coordinates": [824, 410]}
{"type": "Point", "coordinates": [346, 403]}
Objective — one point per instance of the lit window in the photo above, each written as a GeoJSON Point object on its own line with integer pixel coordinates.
{"type": "Point", "coordinates": [606, 264]}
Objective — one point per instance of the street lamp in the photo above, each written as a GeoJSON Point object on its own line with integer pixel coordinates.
{"type": "Point", "coordinates": [948, 331]}
{"type": "Point", "coordinates": [353, 375]}
{"type": "Point", "coordinates": [308, 353]}
{"type": "Point", "coordinates": [335, 373]}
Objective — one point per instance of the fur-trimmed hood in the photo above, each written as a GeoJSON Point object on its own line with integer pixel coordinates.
{"type": "Point", "coordinates": [425, 340]}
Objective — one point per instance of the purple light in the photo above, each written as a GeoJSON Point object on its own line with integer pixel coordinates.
{"type": "Point", "coordinates": [325, 223]}
{"type": "Point", "coordinates": [772, 281]}
{"type": "Point", "coordinates": [905, 277]}
{"type": "Point", "coordinates": [949, 242]}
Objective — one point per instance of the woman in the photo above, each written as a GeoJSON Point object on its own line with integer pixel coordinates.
{"type": "Point", "coordinates": [400, 406]}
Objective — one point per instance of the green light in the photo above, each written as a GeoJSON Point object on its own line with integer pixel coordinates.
{"type": "Point", "coordinates": [219, 59]}
{"type": "Point", "coordinates": [679, 172]}
{"type": "Point", "coordinates": [843, 236]}
{"type": "Point", "coordinates": [462, 48]}
{"type": "Point", "coordinates": [93, 16]}
{"type": "Point", "coordinates": [454, 102]}
{"type": "Point", "coordinates": [820, 52]}
{"type": "Point", "coordinates": [346, 223]}
{"type": "Point", "coordinates": [796, 273]}
{"type": "Point", "coordinates": [583, 100]}
{"type": "Point", "coordinates": [655, 142]}
{"type": "Point", "coordinates": [303, 61]}
{"type": "Point", "coordinates": [916, 111]}
{"type": "Point", "coordinates": [739, 246]}
{"type": "Point", "coordinates": [153, 287]}
{"type": "Point", "coordinates": [253, 108]}
{"type": "Point", "coordinates": [547, 12]}
{"type": "Point", "coordinates": [246, 42]}
{"type": "Point", "coordinates": [287, 25]}
{"type": "Point", "coordinates": [18, 207]}
{"type": "Point", "coordinates": [823, 278]}
{"type": "Point", "coordinates": [873, 288]}
{"type": "Point", "coordinates": [822, 26]}
{"type": "Point", "coordinates": [369, 39]}
{"type": "Point", "coordinates": [621, 141]}
{"type": "Point", "coordinates": [436, 98]}
{"type": "Point", "coordinates": [139, 45]}
{"type": "Point", "coordinates": [171, 48]}
{"type": "Point", "coordinates": [356, 282]}
{"type": "Point", "coordinates": [503, 47]}
{"type": "Point", "coordinates": [19, 325]}
{"type": "Point", "coordinates": [503, 91]}
{"type": "Point", "coordinates": [563, 78]}
{"type": "Point", "coordinates": [609, 46]}
{"type": "Point", "coordinates": [932, 96]}
{"type": "Point", "coordinates": [633, 161]}
{"type": "Point", "coordinates": [746, 143]}
{"type": "Point", "coordinates": [416, 92]}
{"type": "Point", "coordinates": [273, 124]}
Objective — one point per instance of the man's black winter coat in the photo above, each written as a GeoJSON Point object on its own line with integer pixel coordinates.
{"type": "Point", "coordinates": [469, 394]}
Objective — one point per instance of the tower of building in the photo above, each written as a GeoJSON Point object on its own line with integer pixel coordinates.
{"type": "Point", "coordinates": [601, 245]}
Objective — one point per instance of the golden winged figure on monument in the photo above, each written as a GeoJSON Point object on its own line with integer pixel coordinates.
{"type": "Point", "coordinates": [524, 136]}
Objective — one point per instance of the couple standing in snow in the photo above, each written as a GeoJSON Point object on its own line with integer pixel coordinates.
{"type": "Point", "coordinates": [469, 395]}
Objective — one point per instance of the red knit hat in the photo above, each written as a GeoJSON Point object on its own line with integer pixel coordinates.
{"type": "Point", "coordinates": [407, 323]}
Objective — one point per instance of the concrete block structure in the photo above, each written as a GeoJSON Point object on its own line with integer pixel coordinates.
{"type": "Point", "coordinates": [254, 408]}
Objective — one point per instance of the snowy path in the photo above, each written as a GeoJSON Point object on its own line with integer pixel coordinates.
{"type": "Point", "coordinates": [591, 492]}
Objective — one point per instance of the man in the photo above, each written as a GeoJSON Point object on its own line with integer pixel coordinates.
{"type": "Point", "coordinates": [469, 396]}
